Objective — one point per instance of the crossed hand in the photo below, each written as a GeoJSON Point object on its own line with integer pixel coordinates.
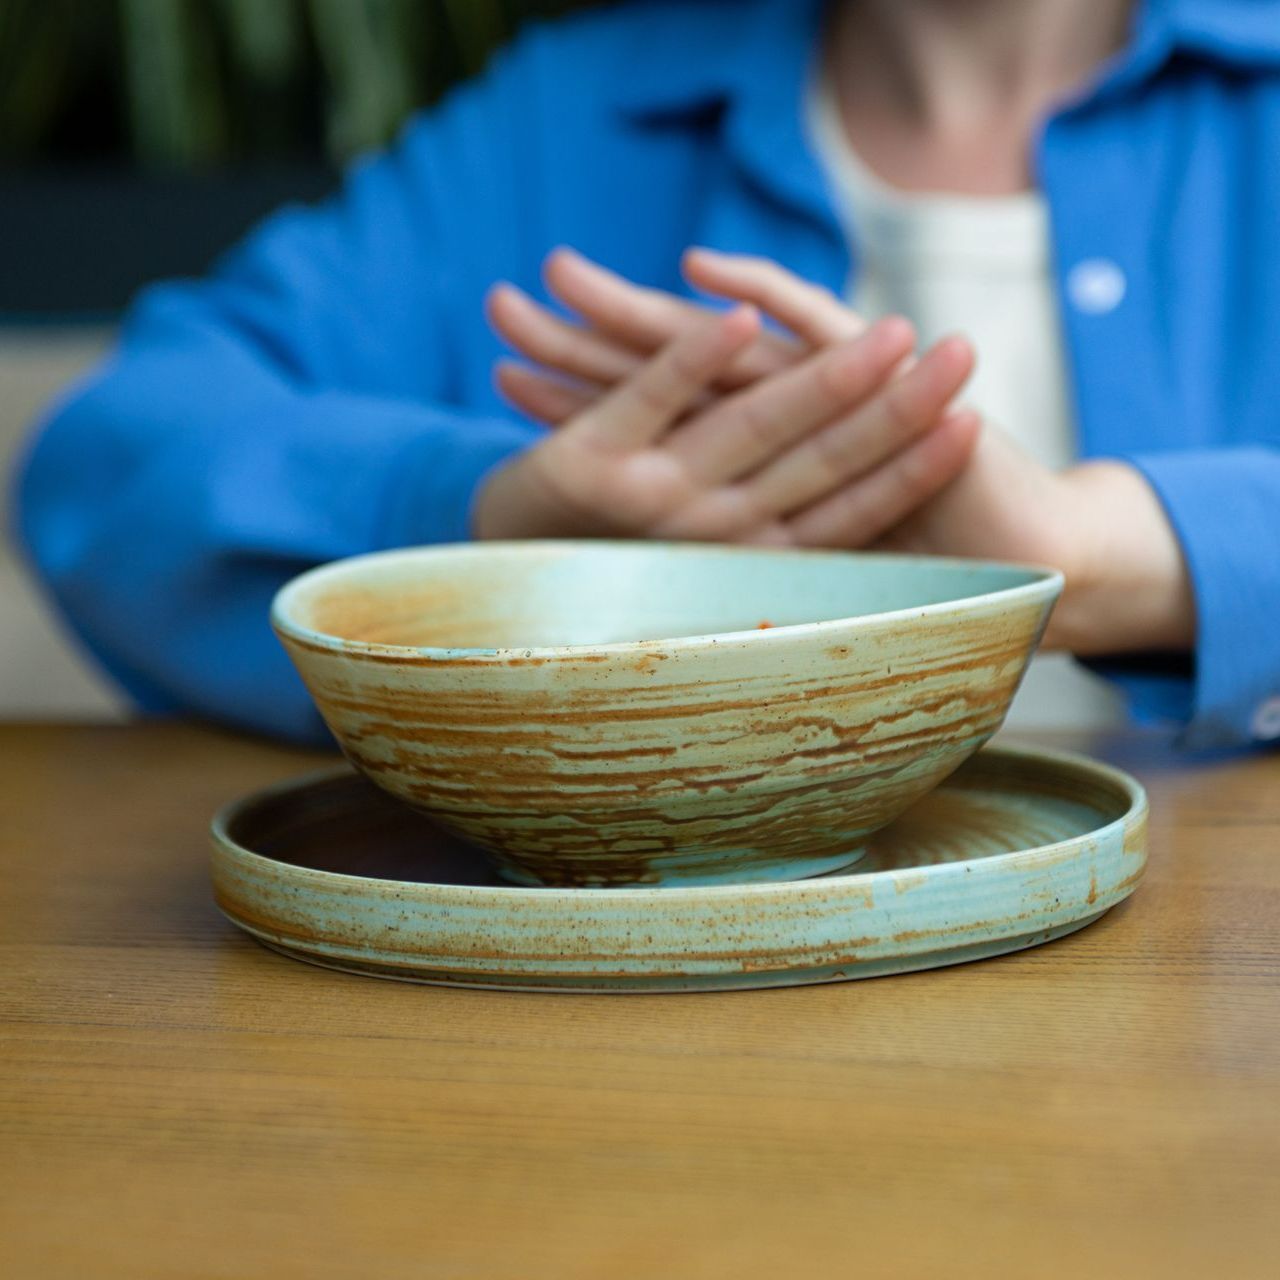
{"type": "Point", "coordinates": [673, 420]}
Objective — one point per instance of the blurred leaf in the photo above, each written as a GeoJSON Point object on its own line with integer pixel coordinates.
{"type": "Point", "coordinates": [367, 86]}
{"type": "Point", "coordinates": [174, 105]}
{"type": "Point", "coordinates": [35, 57]}
{"type": "Point", "coordinates": [184, 84]}
{"type": "Point", "coordinates": [477, 26]}
{"type": "Point", "coordinates": [264, 36]}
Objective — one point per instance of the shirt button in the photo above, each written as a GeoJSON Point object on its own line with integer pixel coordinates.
{"type": "Point", "coordinates": [1096, 286]}
{"type": "Point", "coordinates": [1266, 720]}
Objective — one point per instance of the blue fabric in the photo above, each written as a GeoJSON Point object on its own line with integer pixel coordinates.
{"type": "Point", "coordinates": [327, 391]}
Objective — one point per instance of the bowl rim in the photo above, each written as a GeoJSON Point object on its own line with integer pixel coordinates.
{"type": "Point", "coordinates": [1046, 585]}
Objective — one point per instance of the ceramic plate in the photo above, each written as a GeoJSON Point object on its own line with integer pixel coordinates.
{"type": "Point", "coordinates": [1016, 848]}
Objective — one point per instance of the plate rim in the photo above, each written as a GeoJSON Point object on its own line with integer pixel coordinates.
{"type": "Point", "coordinates": [674, 895]}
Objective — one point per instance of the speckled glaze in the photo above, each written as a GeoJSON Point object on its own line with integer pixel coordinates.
{"type": "Point", "coordinates": [1016, 848]}
{"type": "Point", "coordinates": [529, 696]}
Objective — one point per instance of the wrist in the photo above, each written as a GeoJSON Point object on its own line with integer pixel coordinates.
{"type": "Point", "coordinates": [492, 509]}
{"type": "Point", "coordinates": [1129, 589]}
{"type": "Point", "coordinates": [517, 500]}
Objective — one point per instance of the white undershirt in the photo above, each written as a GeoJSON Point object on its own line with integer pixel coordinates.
{"type": "Point", "coordinates": [980, 266]}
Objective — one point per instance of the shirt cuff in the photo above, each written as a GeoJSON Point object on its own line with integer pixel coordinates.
{"type": "Point", "coordinates": [435, 484]}
{"type": "Point", "coordinates": [1224, 505]}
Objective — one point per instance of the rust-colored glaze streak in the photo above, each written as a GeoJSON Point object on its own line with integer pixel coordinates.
{"type": "Point", "coordinates": [615, 768]}
{"type": "Point", "coordinates": [1015, 875]}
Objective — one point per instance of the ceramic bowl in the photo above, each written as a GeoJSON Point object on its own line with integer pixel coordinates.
{"type": "Point", "coordinates": [607, 714]}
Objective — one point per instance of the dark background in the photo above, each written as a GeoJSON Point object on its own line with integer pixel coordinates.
{"type": "Point", "coordinates": [140, 137]}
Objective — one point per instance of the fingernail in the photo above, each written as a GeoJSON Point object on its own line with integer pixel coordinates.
{"type": "Point", "coordinates": [580, 259]}
{"type": "Point", "coordinates": [958, 413]}
{"type": "Point", "coordinates": [897, 330]}
{"type": "Point", "coordinates": [958, 343]}
{"type": "Point", "coordinates": [495, 293]}
{"type": "Point", "coordinates": [743, 315]}
{"type": "Point", "coordinates": [564, 255]}
{"type": "Point", "coordinates": [516, 294]}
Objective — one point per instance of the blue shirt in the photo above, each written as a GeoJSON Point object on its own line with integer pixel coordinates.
{"type": "Point", "coordinates": [328, 391]}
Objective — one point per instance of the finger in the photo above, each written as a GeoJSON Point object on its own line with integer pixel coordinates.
{"type": "Point", "coordinates": [545, 338]}
{"type": "Point", "coordinates": [540, 396]}
{"type": "Point", "coordinates": [644, 407]}
{"type": "Point", "coordinates": [858, 442]}
{"type": "Point", "coordinates": [811, 312]}
{"type": "Point", "coordinates": [869, 507]}
{"type": "Point", "coordinates": [749, 429]}
{"type": "Point", "coordinates": [642, 320]}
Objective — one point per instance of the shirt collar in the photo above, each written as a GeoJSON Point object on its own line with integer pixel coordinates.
{"type": "Point", "coordinates": [720, 49]}
{"type": "Point", "coordinates": [751, 57]}
{"type": "Point", "coordinates": [757, 52]}
{"type": "Point", "coordinates": [754, 58]}
{"type": "Point", "coordinates": [1244, 33]}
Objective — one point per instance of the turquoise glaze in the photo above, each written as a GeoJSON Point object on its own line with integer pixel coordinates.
{"type": "Point", "coordinates": [1016, 848]}
{"type": "Point", "coordinates": [605, 714]}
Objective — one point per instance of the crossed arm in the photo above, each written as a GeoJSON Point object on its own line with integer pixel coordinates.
{"type": "Point", "coordinates": [673, 420]}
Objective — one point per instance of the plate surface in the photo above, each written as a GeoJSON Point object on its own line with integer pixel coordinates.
{"type": "Point", "coordinates": [1016, 848]}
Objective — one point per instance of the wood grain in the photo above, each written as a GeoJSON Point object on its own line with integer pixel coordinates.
{"type": "Point", "coordinates": [178, 1102]}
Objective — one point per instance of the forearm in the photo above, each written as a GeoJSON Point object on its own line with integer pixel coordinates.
{"type": "Point", "coordinates": [162, 526]}
{"type": "Point", "coordinates": [1223, 506]}
{"type": "Point", "coordinates": [1133, 591]}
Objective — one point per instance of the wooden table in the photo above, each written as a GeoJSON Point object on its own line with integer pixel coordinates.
{"type": "Point", "coordinates": [176, 1101]}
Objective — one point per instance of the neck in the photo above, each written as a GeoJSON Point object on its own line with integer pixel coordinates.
{"type": "Point", "coordinates": [967, 74]}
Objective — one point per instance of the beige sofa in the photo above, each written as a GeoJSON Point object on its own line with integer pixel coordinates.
{"type": "Point", "coordinates": [41, 673]}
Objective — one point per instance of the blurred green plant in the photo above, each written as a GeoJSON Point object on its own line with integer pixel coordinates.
{"type": "Point", "coordinates": [196, 84]}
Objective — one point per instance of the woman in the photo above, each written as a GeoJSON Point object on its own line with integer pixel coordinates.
{"type": "Point", "coordinates": [329, 390]}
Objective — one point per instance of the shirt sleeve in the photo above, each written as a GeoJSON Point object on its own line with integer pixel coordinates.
{"type": "Point", "coordinates": [1224, 505]}
{"type": "Point", "coordinates": [294, 408]}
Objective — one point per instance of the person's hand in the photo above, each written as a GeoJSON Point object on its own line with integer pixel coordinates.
{"type": "Point", "coordinates": [657, 455]}
{"type": "Point", "coordinates": [624, 324]}
{"type": "Point", "coordinates": [1127, 586]}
